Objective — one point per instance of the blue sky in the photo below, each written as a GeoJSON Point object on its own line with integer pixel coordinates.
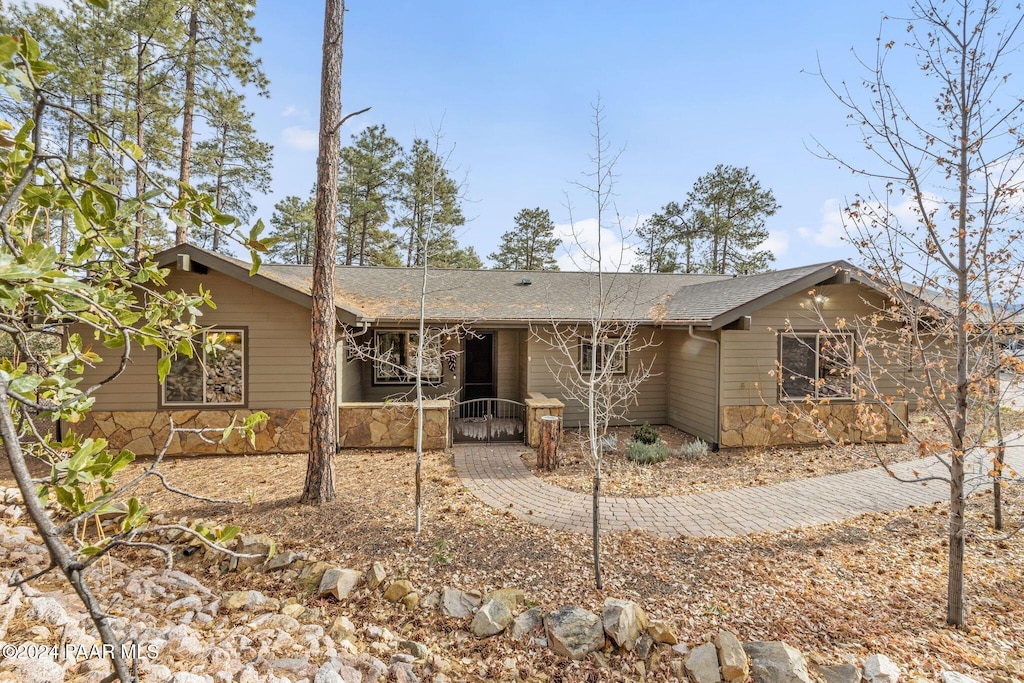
{"type": "Point", "coordinates": [686, 86]}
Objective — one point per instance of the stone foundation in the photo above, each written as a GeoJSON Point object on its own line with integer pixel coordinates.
{"type": "Point", "coordinates": [392, 425]}
{"type": "Point", "coordinates": [144, 432]}
{"type": "Point", "coordinates": [809, 424]}
{"type": "Point", "coordinates": [537, 406]}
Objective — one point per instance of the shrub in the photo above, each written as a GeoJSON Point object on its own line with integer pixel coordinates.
{"type": "Point", "coordinates": [645, 433]}
{"type": "Point", "coordinates": [646, 453]}
{"type": "Point", "coordinates": [694, 449]}
{"type": "Point", "coordinates": [609, 443]}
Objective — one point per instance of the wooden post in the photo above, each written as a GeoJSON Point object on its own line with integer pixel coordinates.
{"type": "Point", "coordinates": [550, 431]}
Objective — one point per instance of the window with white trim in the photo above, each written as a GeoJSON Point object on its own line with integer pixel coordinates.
{"type": "Point", "coordinates": [395, 357]}
{"type": "Point", "coordinates": [611, 353]}
{"type": "Point", "coordinates": [816, 365]}
{"type": "Point", "coordinates": [212, 376]}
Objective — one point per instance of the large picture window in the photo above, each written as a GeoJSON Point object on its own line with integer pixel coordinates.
{"type": "Point", "coordinates": [214, 376]}
{"type": "Point", "coordinates": [816, 365]}
{"type": "Point", "coordinates": [610, 354]}
{"type": "Point", "coordinates": [395, 358]}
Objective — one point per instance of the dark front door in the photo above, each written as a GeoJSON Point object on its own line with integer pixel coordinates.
{"type": "Point", "coordinates": [478, 367]}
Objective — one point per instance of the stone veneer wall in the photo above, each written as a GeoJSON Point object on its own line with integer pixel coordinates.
{"type": "Point", "coordinates": [144, 432]}
{"type": "Point", "coordinates": [537, 406]}
{"type": "Point", "coordinates": [788, 425]}
{"type": "Point", "coordinates": [393, 425]}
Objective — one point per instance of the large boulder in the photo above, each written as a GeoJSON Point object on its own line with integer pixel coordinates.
{"type": "Point", "coordinates": [459, 604]}
{"type": "Point", "coordinates": [375, 576]}
{"type": "Point", "coordinates": [702, 664]}
{"type": "Point", "coordinates": [243, 600]}
{"type": "Point", "coordinates": [530, 621]}
{"type": "Point", "coordinates": [514, 598]}
{"type": "Point", "coordinates": [397, 590]}
{"type": "Point", "coordinates": [260, 546]}
{"type": "Point", "coordinates": [662, 632]}
{"type": "Point", "coordinates": [491, 619]}
{"type": "Point", "coordinates": [574, 632]}
{"type": "Point", "coordinates": [624, 621]}
{"type": "Point", "coordinates": [732, 658]}
{"type": "Point", "coordinates": [339, 582]}
{"type": "Point", "coordinates": [880, 669]}
{"type": "Point", "coordinates": [776, 662]}
{"type": "Point", "coordinates": [838, 673]}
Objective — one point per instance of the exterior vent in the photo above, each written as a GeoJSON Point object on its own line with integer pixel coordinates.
{"type": "Point", "coordinates": [526, 282]}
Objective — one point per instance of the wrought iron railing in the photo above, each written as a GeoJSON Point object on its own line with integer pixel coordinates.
{"type": "Point", "coordinates": [488, 420]}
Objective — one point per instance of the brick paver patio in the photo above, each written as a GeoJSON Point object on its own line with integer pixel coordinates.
{"type": "Point", "coordinates": [497, 475]}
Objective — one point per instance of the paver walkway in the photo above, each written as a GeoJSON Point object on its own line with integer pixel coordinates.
{"type": "Point", "coordinates": [497, 475]}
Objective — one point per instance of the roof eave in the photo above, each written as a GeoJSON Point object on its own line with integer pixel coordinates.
{"type": "Point", "coordinates": [169, 257]}
{"type": "Point", "coordinates": [818, 277]}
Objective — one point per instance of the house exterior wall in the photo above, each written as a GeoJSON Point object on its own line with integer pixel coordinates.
{"type": "Point", "coordinates": [749, 357]}
{"type": "Point", "coordinates": [692, 383]}
{"type": "Point", "coordinates": [278, 362]}
{"type": "Point", "coordinates": [751, 413]}
{"type": "Point", "coordinates": [544, 360]}
{"type": "Point", "coordinates": [506, 364]}
{"type": "Point", "coordinates": [350, 377]}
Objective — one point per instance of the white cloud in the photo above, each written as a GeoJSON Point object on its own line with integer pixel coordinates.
{"type": "Point", "coordinates": [290, 110]}
{"type": "Point", "coordinates": [830, 232]}
{"type": "Point", "coordinates": [300, 138]}
{"type": "Point", "coordinates": [579, 245]}
{"type": "Point", "coordinates": [777, 243]}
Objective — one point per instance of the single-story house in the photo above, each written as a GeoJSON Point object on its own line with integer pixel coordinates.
{"type": "Point", "coordinates": [712, 342]}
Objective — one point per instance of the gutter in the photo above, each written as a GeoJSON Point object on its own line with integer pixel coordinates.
{"type": "Point", "coordinates": [718, 385]}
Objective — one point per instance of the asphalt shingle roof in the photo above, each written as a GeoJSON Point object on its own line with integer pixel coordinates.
{"type": "Point", "coordinates": [494, 294]}
{"type": "Point", "coordinates": [709, 300]}
{"type": "Point", "coordinates": [392, 294]}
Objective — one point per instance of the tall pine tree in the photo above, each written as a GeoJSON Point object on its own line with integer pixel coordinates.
{"type": "Point", "coordinates": [429, 200]}
{"type": "Point", "coordinates": [368, 179]}
{"type": "Point", "coordinates": [292, 227]}
{"type": "Point", "coordinates": [233, 163]}
{"type": "Point", "coordinates": [530, 244]}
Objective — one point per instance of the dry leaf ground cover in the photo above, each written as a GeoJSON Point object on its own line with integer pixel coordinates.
{"type": "Point", "coordinates": [729, 468]}
{"type": "Point", "coordinates": [872, 584]}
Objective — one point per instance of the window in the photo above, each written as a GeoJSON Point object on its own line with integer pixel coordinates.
{"type": "Point", "coordinates": [211, 377]}
{"type": "Point", "coordinates": [816, 365]}
{"type": "Point", "coordinates": [610, 354]}
{"type": "Point", "coordinates": [395, 358]}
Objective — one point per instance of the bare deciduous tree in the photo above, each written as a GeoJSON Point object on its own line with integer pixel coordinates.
{"type": "Point", "coordinates": [938, 233]}
{"type": "Point", "coordinates": [589, 360]}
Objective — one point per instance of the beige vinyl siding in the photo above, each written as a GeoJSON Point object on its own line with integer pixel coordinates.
{"type": "Point", "coordinates": [691, 395]}
{"type": "Point", "coordinates": [278, 350]}
{"type": "Point", "coordinates": [750, 356]}
{"type": "Point", "coordinates": [350, 383]}
{"type": "Point", "coordinates": [506, 361]}
{"type": "Point", "coordinates": [544, 362]}
{"type": "Point", "coordinates": [524, 363]}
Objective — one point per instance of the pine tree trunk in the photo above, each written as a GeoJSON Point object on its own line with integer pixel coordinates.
{"type": "Point", "coordinates": [140, 119]}
{"type": "Point", "coordinates": [323, 413]}
{"type": "Point", "coordinates": [185, 169]}
{"type": "Point", "coordinates": [218, 198]}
